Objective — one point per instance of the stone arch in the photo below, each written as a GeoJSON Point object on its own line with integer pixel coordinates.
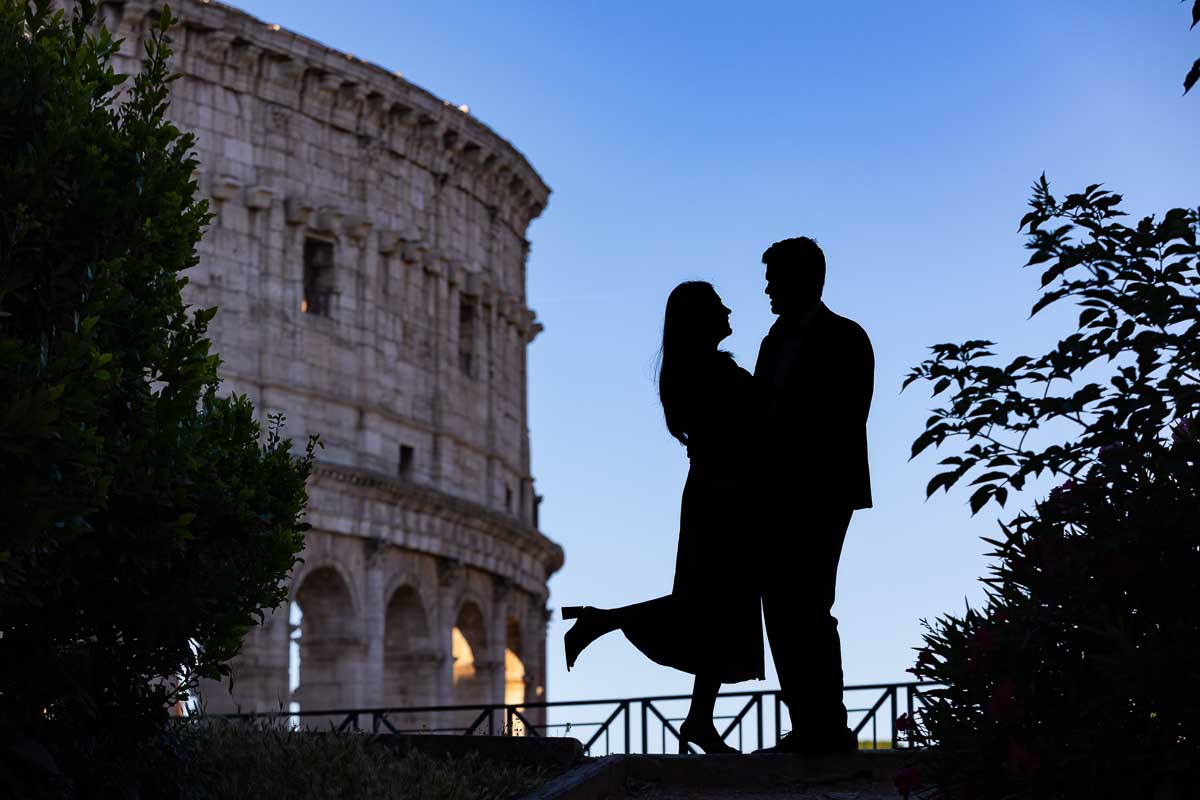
{"type": "Point", "coordinates": [514, 669]}
{"type": "Point", "coordinates": [406, 578]}
{"type": "Point", "coordinates": [470, 679]}
{"type": "Point", "coordinates": [329, 640]}
{"type": "Point", "coordinates": [328, 563]}
{"type": "Point", "coordinates": [409, 654]}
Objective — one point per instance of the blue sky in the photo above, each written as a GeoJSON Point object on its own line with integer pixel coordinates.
{"type": "Point", "coordinates": [680, 139]}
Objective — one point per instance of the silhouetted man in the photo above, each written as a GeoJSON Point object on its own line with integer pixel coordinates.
{"type": "Point", "coordinates": [817, 369]}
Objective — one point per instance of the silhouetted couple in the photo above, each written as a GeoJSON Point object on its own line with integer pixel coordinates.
{"type": "Point", "coordinates": [778, 465]}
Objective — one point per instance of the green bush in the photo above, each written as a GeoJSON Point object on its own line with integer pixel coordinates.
{"type": "Point", "coordinates": [233, 761]}
{"type": "Point", "coordinates": [1073, 680]}
{"type": "Point", "coordinates": [148, 522]}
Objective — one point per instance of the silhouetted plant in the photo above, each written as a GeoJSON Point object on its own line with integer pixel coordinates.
{"type": "Point", "coordinates": [1194, 73]}
{"type": "Point", "coordinates": [1070, 682]}
{"type": "Point", "coordinates": [232, 761]}
{"type": "Point", "coordinates": [146, 520]}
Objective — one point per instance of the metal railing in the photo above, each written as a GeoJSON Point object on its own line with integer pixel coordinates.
{"type": "Point", "coordinates": [630, 724]}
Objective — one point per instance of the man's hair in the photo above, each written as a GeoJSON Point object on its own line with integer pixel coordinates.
{"type": "Point", "coordinates": [800, 254]}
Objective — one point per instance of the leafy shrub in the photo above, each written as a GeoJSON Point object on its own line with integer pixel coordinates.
{"type": "Point", "coordinates": [1071, 681]}
{"type": "Point", "coordinates": [233, 761]}
{"type": "Point", "coordinates": [147, 520]}
{"type": "Point", "coordinates": [1194, 73]}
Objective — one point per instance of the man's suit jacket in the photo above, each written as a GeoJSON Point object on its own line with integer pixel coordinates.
{"type": "Point", "coordinates": [818, 373]}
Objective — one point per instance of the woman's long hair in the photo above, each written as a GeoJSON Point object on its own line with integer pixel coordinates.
{"type": "Point", "coordinates": [685, 345]}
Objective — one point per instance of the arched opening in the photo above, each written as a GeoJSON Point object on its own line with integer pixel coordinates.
{"type": "Point", "coordinates": [468, 647]}
{"type": "Point", "coordinates": [323, 644]}
{"type": "Point", "coordinates": [514, 673]}
{"type": "Point", "coordinates": [409, 665]}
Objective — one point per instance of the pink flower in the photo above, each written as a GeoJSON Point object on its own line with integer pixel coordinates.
{"type": "Point", "coordinates": [1065, 500]}
{"type": "Point", "coordinates": [1048, 554]}
{"type": "Point", "coordinates": [1019, 760]}
{"type": "Point", "coordinates": [982, 642]}
{"type": "Point", "coordinates": [1003, 703]}
{"type": "Point", "coordinates": [907, 779]}
{"type": "Point", "coordinates": [925, 661]}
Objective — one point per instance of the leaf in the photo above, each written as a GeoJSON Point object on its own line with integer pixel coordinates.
{"type": "Point", "coordinates": [943, 481]}
{"type": "Point", "coordinates": [1192, 76]}
{"type": "Point", "coordinates": [1039, 257]}
{"type": "Point", "coordinates": [923, 441]}
{"type": "Point", "coordinates": [1046, 300]}
{"type": "Point", "coordinates": [987, 477]}
{"type": "Point", "coordinates": [1195, 13]}
{"type": "Point", "coordinates": [980, 498]}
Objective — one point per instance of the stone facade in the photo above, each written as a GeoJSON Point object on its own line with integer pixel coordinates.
{"type": "Point", "coordinates": [368, 257]}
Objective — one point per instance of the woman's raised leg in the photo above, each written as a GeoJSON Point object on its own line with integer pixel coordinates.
{"type": "Point", "coordinates": [590, 625]}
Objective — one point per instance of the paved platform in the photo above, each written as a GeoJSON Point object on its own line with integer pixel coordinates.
{"type": "Point", "coordinates": [865, 775]}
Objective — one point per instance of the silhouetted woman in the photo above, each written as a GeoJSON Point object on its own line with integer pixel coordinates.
{"type": "Point", "coordinates": [710, 625]}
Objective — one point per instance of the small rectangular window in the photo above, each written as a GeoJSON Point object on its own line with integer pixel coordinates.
{"type": "Point", "coordinates": [508, 499]}
{"type": "Point", "coordinates": [319, 291]}
{"type": "Point", "coordinates": [466, 337]}
{"type": "Point", "coordinates": [406, 461]}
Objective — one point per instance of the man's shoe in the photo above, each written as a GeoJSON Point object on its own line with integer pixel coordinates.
{"type": "Point", "coordinates": [787, 744]}
{"type": "Point", "coordinates": [815, 744]}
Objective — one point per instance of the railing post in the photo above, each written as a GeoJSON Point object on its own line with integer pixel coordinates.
{"type": "Point", "coordinates": [909, 691]}
{"type": "Point", "coordinates": [895, 710]}
{"type": "Point", "coordinates": [626, 706]}
{"type": "Point", "coordinates": [759, 712]}
{"type": "Point", "coordinates": [778, 717]}
{"type": "Point", "coordinates": [491, 712]}
{"type": "Point", "coordinates": [645, 729]}
{"type": "Point", "coordinates": [509, 723]}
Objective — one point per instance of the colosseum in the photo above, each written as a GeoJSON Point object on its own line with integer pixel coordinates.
{"type": "Point", "coordinates": [367, 255]}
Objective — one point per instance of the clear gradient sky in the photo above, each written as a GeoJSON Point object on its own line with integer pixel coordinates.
{"type": "Point", "coordinates": [680, 139]}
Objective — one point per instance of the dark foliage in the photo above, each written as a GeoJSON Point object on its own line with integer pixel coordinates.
{"type": "Point", "coordinates": [234, 761]}
{"type": "Point", "coordinates": [1194, 73]}
{"type": "Point", "coordinates": [1139, 295]}
{"type": "Point", "coordinates": [1071, 681]}
{"type": "Point", "coordinates": [147, 520]}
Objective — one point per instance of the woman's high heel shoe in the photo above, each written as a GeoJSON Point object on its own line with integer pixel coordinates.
{"type": "Point", "coordinates": [708, 740]}
{"type": "Point", "coordinates": [586, 630]}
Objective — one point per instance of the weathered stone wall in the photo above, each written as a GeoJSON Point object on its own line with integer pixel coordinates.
{"type": "Point", "coordinates": [367, 255]}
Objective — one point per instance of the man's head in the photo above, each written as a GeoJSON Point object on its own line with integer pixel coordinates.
{"type": "Point", "coordinates": [795, 275]}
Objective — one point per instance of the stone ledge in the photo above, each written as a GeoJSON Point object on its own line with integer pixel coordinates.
{"type": "Point", "coordinates": [439, 505]}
